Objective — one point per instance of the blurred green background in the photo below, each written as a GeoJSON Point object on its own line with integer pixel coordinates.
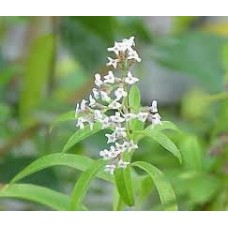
{"type": "Point", "coordinates": [47, 64]}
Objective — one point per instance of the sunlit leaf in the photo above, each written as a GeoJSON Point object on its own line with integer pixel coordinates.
{"type": "Point", "coordinates": [134, 98]}
{"type": "Point", "coordinates": [124, 185]}
{"type": "Point", "coordinates": [80, 135]}
{"type": "Point", "coordinates": [70, 160]}
{"type": "Point", "coordinates": [165, 190]}
{"type": "Point", "coordinates": [38, 194]}
{"type": "Point", "coordinates": [83, 182]}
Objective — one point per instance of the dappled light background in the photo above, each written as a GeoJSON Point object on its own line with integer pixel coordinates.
{"type": "Point", "coordinates": [47, 64]}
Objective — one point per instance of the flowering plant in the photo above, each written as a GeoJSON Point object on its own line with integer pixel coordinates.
{"type": "Point", "coordinates": [113, 107]}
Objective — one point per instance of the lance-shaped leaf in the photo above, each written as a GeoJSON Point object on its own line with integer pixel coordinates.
{"type": "Point", "coordinates": [38, 194]}
{"type": "Point", "coordinates": [134, 98]}
{"type": "Point", "coordinates": [80, 135]}
{"type": "Point", "coordinates": [70, 160]}
{"type": "Point", "coordinates": [83, 182]}
{"type": "Point", "coordinates": [165, 190]}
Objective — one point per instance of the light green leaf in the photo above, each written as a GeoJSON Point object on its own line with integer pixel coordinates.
{"type": "Point", "coordinates": [36, 76]}
{"type": "Point", "coordinates": [134, 98]}
{"type": "Point", "coordinates": [124, 185]}
{"type": "Point", "coordinates": [80, 135]}
{"type": "Point", "coordinates": [166, 125]}
{"type": "Point", "coordinates": [71, 160]}
{"type": "Point", "coordinates": [83, 182]}
{"type": "Point", "coordinates": [62, 118]}
{"type": "Point", "coordinates": [165, 190]}
{"type": "Point", "coordinates": [38, 194]}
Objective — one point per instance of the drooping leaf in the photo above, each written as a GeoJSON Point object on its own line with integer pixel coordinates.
{"type": "Point", "coordinates": [80, 135]}
{"type": "Point", "coordinates": [134, 98]}
{"type": "Point", "coordinates": [38, 194]}
{"type": "Point", "coordinates": [83, 182]}
{"type": "Point", "coordinates": [70, 160]}
{"type": "Point", "coordinates": [165, 190]}
{"type": "Point", "coordinates": [124, 185]}
{"type": "Point", "coordinates": [62, 118]}
{"type": "Point", "coordinates": [36, 76]}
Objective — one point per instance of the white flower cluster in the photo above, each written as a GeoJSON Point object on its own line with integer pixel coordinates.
{"type": "Point", "coordinates": [108, 105]}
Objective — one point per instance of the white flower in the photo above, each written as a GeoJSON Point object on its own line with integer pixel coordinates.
{"type": "Point", "coordinates": [105, 122]}
{"type": "Point", "coordinates": [104, 96]}
{"type": "Point", "coordinates": [129, 116]}
{"type": "Point", "coordinates": [132, 146]}
{"type": "Point", "coordinates": [110, 168]}
{"type": "Point", "coordinates": [116, 48]}
{"type": "Point", "coordinates": [105, 154]}
{"type": "Point", "coordinates": [142, 116]}
{"type": "Point", "coordinates": [96, 93]}
{"type": "Point", "coordinates": [119, 93]}
{"type": "Point", "coordinates": [112, 62]}
{"type": "Point", "coordinates": [98, 115]}
{"type": "Point", "coordinates": [92, 101]}
{"type": "Point", "coordinates": [132, 54]}
{"type": "Point", "coordinates": [117, 118]}
{"type": "Point", "coordinates": [83, 105]}
{"type": "Point", "coordinates": [156, 119]}
{"type": "Point", "coordinates": [90, 124]}
{"type": "Point", "coordinates": [114, 105]}
{"type": "Point", "coordinates": [120, 132]}
{"type": "Point", "coordinates": [113, 152]}
{"type": "Point", "coordinates": [109, 78]}
{"type": "Point", "coordinates": [130, 79]}
{"type": "Point", "coordinates": [81, 122]}
{"type": "Point", "coordinates": [154, 107]}
{"type": "Point", "coordinates": [122, 164]}
{"type": "Point", "coordinates": [122, 147]}
{"type": "Point", "coordinates": [111, 137]}
{"type": "Point", "coordinates": [98, 80]}
{"type": "Point", "coordinates": [129, 42]}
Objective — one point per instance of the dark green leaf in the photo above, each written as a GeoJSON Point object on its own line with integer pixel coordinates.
{"type": "Point", "coordinates": [38, 194]}
{"type": "Point", "coordinates": [165, 190]}
{"type": "Point", "coordinates": [124, 185]}
{"type": "Point", "coordinates": [83, 182]}
{"type": "Point", "coordinates": [80, 135]}
{"type": "Point", "coordinates": [71, 160]}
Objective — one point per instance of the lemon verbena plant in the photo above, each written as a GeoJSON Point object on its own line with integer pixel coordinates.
{"type": "Point", "coordinates": [114, 108]}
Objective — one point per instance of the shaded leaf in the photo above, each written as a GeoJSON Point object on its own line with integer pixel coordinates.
{"type": "Point", "coordinates": [165, 190]}
{"type": "Point", "coordinates": [71, 160]}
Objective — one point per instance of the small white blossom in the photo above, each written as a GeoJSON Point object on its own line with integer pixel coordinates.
{"type": "Point", "coordinates": [134, 55]}
{"type": "Point", "coordinates": [98, 81]}
{"type": "Point", "coordinates": [132, 146]}
{"type": "Point", "coordinates": [111, 137]}
{"type": "Point", "coordinates": [156, 119]}
{"type": "Point", "coordinates": [130, 79]}
{"type": "Point", "coordinates": [104, 96]}
{"type": "Point", "coordinates": [105, 122]}
{"type": "Point", "coordinates": [110, 168]}
{"type": "Point", "coordinates": [129, 116]}
{"type": "Point", "coordinates": [154, 106]}
{"type": "Point", "coordinates": [83, 105]}
{"type": "Point", "coordinates": [122, 164]}
{"type": "Point", "coordinates": [96, 93]}
{"type": "Point", "coordinates": [120, 132]}
{"type": "Point", "coordinates": [112, 62]}
{"type": "Point", "coordinates": [109, 78]}
{"type": "Point", "coordinates": [113, 152]}
{"type": "Point", "coordinates": [114, 105]}
{"type": "Point", "coordinates": [98, 115]}
{"type": "Point", "coordinates": [142, 116]}
{"type": "Point", "coordinates": [119, 93]}
{"type": "Point", "coordinates": [105, 154]}
{"type": "Point", "coordinates": [81, 122]}
{"type": "Point", "coordinates": [129, 42]}
{"type": "Point", "coordinates": [116, 48]}
{"type": "Point", "coordinates": [117, 118]}
{"type": "Point", "coordinates": [122, 147]}
{"type": "Point", "coordinates": [90, 124]}
{"type": "Point", "coordinates": [92, 101]}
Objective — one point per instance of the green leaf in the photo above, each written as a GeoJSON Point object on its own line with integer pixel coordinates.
{"type": "Point", "coordinates": [71, 160]}
{"type": "Point", "coordinates": [165, 190]}
{"type": "Point", "coordinates": [124, 185]}
{"type": "Point", "coordinates": [83, 182]}
{"type": "Point", "coordinates": [36, 76]}
{"type": "Point", "coordinates": [134, 98]}
{"type": "Point", "coordinates": [166, 125]}
{"type": "Point", "coordinates": [38, 194]}
{"type": "Point", "coordinates": [80, 135]}
{"type": "Point", "coordinates": [62, 118]}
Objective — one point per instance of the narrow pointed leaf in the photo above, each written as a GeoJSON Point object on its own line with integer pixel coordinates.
{"type": "Point", "coordinates": [134, 98]}
{"type": "Point", "coordinates": [80, 135]}
{"type": "Point", "coordinates": [83, 182]}
{"type": "Point", "coordinates": [166, 125]}
{"type": "Point", "coordinates": [71, 160]}
{"type": "Point", "coordinates": [38, 194]}
{"type": "Point", "coordinates": [165, 190]}
{"type": "Point", "coordinates": [124, 185]}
